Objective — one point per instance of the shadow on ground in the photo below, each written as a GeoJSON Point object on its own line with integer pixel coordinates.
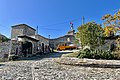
{"type": "Point", "coordinates": [47, 55]}
{"type": "Point", "coordinates": [88, 62]}
{"type": "Point", "coordinates": [94, 65]}
{"type": "Point", "coordinates": [2, 64]}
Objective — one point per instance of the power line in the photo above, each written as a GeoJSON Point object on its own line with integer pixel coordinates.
{"type": "Point", "coordinates": [61, 22]}
{"type": "Point", "coordinates": [65, 22]}
{"type": "Point", "coordinates": [52, 29]}
{"type": "Point", "coordinates": [3, 26]}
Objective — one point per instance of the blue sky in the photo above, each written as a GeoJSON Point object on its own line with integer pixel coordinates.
{"type": "Point", "coordinates": [53, 16]}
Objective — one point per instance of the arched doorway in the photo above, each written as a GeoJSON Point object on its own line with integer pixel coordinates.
{"type": "Point", "coordinates": [43, 48]}
{"type": "Point", "coordinates": [26, 48]}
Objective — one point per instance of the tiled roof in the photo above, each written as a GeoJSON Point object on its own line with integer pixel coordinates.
{"type": "Point", "coordinates": [25, 36]}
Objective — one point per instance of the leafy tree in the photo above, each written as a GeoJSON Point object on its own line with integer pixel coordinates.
{"type": "Point", "coordinates": [111, 24]}
{"type": "Point", "coordinates": [90, 34]}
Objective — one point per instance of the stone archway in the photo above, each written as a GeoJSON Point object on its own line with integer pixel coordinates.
{"type": "Point", "coordinates": [43, 48]}
{"type": "Point", "coordinates": [26, 48]}
{"type": "Point", "coordinates": [30, 48]}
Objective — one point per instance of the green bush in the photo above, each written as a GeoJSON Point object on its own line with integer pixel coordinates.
{"type": "Point", "coordinates": [13, 57]}
{"type": "Point", "coordinates": [116, 54]}
{"type": "Point", "coordinates": [95, 54]}
{"type": "Point", "coordinates": [84, 54]}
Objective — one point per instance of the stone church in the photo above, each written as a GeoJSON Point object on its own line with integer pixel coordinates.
{"type": "Point", "coordinates": [23, 34]}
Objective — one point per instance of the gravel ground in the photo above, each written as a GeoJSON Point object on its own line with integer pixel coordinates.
{"type": "Point", "coordinates": [47, 69]}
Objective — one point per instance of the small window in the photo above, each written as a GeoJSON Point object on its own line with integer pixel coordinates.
{"type": "Point", "coordinates": [68, 39]}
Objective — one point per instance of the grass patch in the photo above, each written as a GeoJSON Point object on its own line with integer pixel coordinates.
{"type": "Point", "coordinates": [116, 54]}
{"type": "Point", "coordinates": [75, 54]}
{"type": "Point", "coordinates": [3, 59]}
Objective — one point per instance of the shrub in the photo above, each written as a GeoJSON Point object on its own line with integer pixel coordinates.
{"type": "Point", "coordinates": [86, 53]}
{"type": "Point", "coordinates": [116, 54]}
{"type": "Point", "coordinates": [96, 54]}
{"type": "Point", "coordinates": [13, 57]}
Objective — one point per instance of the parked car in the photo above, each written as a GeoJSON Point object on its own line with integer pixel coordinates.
{"type": "Point", "coordinates": [66, 46]}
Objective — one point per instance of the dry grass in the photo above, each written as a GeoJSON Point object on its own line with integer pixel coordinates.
{"type": "Point", "coordinates": [75, 54]}
{"type": "Point", "coordinates": [117, 54]}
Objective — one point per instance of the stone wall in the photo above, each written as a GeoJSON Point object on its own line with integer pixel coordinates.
{"type": "Point", "coordinates": [55, 42]}
{"type": "Point", "coordinates": [42, 40]}
{"type": "Point", "coordinates": [22, 29]}
{"type": "Point", "coordinates": [34, 44]}
{"type": "Point", "coordinates": [29, 31]}
{"type": "Point", "coordinates": [64, 39]}
{"type": "Point", "coordinates": [4, 48]}
{"type": "Point", "coordinates": [15, 32]}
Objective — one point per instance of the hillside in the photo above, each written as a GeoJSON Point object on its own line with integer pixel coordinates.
{"type": "Point", "coordinates": [3, 38]}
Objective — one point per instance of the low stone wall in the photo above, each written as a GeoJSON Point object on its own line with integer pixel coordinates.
{"type": "Point", "coordinates": [88, 62]}
{"type": "Point", "coordinates": [4, 49]}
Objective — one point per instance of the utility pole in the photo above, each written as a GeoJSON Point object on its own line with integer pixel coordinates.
{"type": "Point", "coordinates": [49, 40]}
{"type": "Point", "coordinates": [49, 36]}
{"type": "Point", "coordinates": [37, 30]}
{"type": "Point", "coordinates": [83, 20]}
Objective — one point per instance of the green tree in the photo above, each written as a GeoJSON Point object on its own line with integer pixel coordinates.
{"type": "Point", "coordinates": [90, 34]}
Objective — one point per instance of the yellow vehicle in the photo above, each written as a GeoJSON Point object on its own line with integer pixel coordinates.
{"type": "Point", "coordinates": [66, 47]}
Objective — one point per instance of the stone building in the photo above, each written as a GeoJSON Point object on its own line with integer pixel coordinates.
{"type": "Point", "coordinates": [42, 39]}
{"type": "Point", "coordinates": [23, 34]}
{"type": "Point", "coordinates": [22, 29]}
{"type": "Point", "coordinates": [69, 38]}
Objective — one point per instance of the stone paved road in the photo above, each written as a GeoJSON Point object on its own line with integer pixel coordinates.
{"type": "Point", "coordinates": [46, 69]}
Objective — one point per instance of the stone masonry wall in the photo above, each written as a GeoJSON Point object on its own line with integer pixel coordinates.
{"type": "Point", "coordinates": [4, 48]}
{"type": "Point", "coordinates": [42, 40]}
{"type": "Point", "coordinates": [29, 31]}
{"type": "Point", "coordinates": [64, 39]}
{"type": "Point", "coordinates": [22, 29]}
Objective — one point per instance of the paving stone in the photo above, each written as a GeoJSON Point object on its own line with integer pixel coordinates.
{"type": "Point", "coordinates": [47, 69]}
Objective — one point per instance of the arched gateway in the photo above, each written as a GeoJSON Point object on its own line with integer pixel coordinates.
{"type": "Point", "coordinates": [26, 48]}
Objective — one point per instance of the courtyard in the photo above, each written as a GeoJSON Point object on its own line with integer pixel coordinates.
{"type": "Point", "coordinates": [45, 68]}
